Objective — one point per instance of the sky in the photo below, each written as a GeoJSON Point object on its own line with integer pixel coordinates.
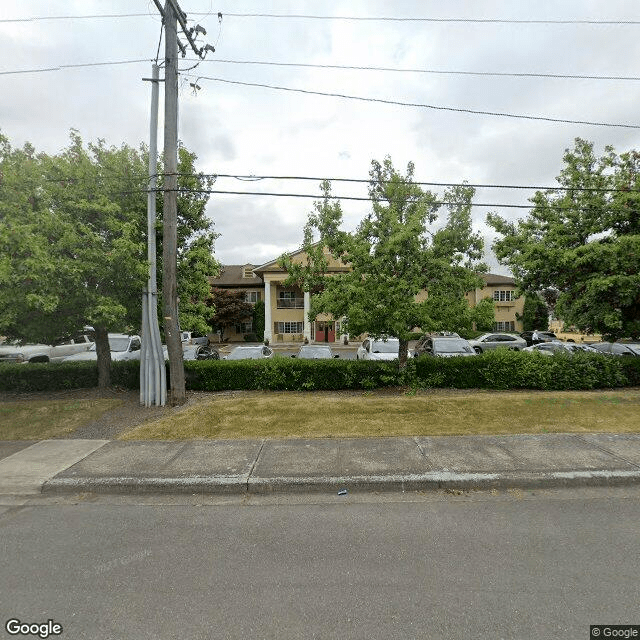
{"type": "Point", "coordinates": [259, 131]}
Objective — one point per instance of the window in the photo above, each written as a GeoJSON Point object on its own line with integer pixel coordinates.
{"type": "Point", "coordinates": [247, 272]}
{"type": "Point", "coordinates": [289, 327]}
{"type": "Point", "coordinates": [287, 295]}
{"type": "Point", "coordinates": [504, 326]}
{"type": "Point", "coordinates": [252, 296]}
{"type": "Point", "coordinates": [244, 327]}
{"type": "Point", "coordinates": [504, 295]}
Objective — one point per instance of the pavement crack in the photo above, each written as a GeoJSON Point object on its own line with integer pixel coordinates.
{"type": "Point", "coordinates": [605, 450]}
{"type": "Point", "coordinates": [255, 462]}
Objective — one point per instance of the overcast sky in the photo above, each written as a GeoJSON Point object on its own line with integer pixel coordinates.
{"type": "Point", "coordinates": [237, 129]}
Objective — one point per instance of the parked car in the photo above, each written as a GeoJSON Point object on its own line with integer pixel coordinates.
{"type": "Point", "coordinates": [549, 348]}
{"type": "Point", "coordinates": [442, 347]}
{"type": "Point", "coordinates": [56, 352]}
{"type": "Point", "coordinates": [198, 352]}
{"type": "Point", "coordinates": [122, 346]}
{"type": "Point", "coordinates": [250, 353]}
{"type": "Point", "coordinates": [536, 337]}
{"type": "Point", "coordinates": [315, 352]}
{"type": "Point", "coordinates": [490, 341]}
{"type": "Point", "coordinates": [383, 349]}
{"type": "Point", "coordinates": [193, 337]}
{"type": "Point", "coordinates": [617, 348]}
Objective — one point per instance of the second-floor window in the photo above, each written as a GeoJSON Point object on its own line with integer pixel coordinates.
{"type": "Point", "coordinates": [504, 295]}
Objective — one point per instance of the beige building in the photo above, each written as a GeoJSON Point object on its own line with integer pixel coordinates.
{"type": "Point", "coordinates": [286, 308]}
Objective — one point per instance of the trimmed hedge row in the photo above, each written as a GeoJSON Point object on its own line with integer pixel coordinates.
{"type": "Point", "coordinates": [492, 370]}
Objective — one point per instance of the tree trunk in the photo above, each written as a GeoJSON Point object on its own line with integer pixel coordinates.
{"type": "Point", "coordinates": [403, 353]}
{"type": "Point", "coordinates": [103, 353]}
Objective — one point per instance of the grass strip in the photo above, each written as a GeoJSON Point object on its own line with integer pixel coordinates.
{"type": "Point", "coordinates": [44, 419]}
{"type": "Point", "coordinates": [330, 415]}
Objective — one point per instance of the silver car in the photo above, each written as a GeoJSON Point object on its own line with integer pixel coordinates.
{"type": "Point", "coordinates": [121, 345]}
{"type": "Point", "coordinates": [315, 352]}
{"type": "Point", "coordinates": [250, 353]}
{"type": "Point", "coordinates": [383, 349]}
{"type": "Point", "coordinates": [490, 341]}
{"type": "Point", "coordinates": [441, 347]}
{"type": "Point", "coordinates": [549, 348]}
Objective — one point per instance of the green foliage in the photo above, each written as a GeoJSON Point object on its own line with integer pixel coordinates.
{"type": "Point", "coordinates": [535, 314]}
{"type": "Point", "coordinates": [583, 240]}
{"type": "Point", "coordinates": [392, 258]}
{"type": "Point", "coordinates": [258, 319]}
{"type": "Point", "coordinates": [229, 308]}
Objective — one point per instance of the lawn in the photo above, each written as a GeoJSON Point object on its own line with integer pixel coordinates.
{"type": "Point", "coordinates": [336, 415]}
{"type": "Point", "coordinates": [44, 419]}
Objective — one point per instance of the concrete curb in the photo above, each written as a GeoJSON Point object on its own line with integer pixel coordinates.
{"type": "Point", "coordinates": [434, 481]}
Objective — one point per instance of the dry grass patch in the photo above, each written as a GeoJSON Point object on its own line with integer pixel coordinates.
{"type": "Point", "coordinates": [339, 415]}
{"type": "Point", "coordinates": [43, 419]}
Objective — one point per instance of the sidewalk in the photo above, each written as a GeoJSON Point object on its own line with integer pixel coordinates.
{"type": "Point", "coordinates": [327, 465]}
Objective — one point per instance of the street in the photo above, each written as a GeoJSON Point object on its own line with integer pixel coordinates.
{"type": "Point", "coordinates": [508, 564]}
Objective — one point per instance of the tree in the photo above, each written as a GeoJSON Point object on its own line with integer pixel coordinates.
{"type": "Point", "coordinates": [229, 308]}
{"type": "Point", "coordinates": [258, 317]}
{"type": "Point", "coordinates": [393, 257]}
{"type": "Point", "coordinates": [535, 314]}
{"type": "Point", "coordinates": [73, 242]}
{"type": "Point", "coordinates": [582, 240]}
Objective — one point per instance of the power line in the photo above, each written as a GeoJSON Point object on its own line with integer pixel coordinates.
{"type": "Point", "coordinates": [423, 105]}
{"type": "Point", "coordinates": [75, 66]}
{"type": "Point", "coordinates": [515, 74]}
{"type": "Point", "coordinates": [345, 18]}
{"type": "Point", "coordinates": [573, 76]}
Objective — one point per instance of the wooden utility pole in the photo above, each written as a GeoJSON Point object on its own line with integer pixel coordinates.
{"type": "Point", "coordinates": [170, 210]}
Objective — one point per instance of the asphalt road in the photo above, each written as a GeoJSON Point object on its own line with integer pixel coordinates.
{"type": "Point", "coordinates": [511, 565]}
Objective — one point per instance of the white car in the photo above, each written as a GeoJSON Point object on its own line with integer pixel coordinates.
{"type": "Point", "coordinates": [382, 349]}
{"type": "Point", "coordinates": [57, 352]}
{"type": "Point", "coordinates": [123, 347]}
{"type": "Point", "coordinates": [250, 353]}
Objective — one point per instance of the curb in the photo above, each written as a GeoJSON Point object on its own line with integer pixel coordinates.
{"type": "Point", "coordinates": [432, 481]}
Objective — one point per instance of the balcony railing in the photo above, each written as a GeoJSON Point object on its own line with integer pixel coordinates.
{"type": "Point", "coordinates": [290, 303]}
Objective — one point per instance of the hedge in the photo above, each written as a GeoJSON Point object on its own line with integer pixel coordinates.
{"type": "Point", "coordinates": [499, 369]}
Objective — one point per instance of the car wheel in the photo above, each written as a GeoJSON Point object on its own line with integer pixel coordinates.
{"type": "Point", "coordinates": [477, 349]}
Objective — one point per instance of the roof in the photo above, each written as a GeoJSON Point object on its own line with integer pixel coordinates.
{"type": "Point", "coordinates": [232, 275]}
{"type": "Point", "coordinates": [494, 278]}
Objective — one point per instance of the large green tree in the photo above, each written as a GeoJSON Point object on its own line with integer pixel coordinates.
{"type": "Point", "coordinates": [582, 239]}
{"type": "Point", "coordinates": [394, 254]}
{"type": "Point", "coordinates": [73, 242]}
{"type": "Point", "coordinates": [228, 308]}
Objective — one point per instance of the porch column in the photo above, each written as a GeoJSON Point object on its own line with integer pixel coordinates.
{"type": "Point", "coordinates": [306, 327]}
{"type": "Point", "coordinates": [268, 325]}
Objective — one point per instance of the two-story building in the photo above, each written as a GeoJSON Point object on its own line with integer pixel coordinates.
{"type": "Point", "coordinates": [287, 307]}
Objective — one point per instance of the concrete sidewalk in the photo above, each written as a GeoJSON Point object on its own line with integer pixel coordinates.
{"type": "Point", "coordinates": [372, 464]}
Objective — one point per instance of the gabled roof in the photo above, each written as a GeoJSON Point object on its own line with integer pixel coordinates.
{"type": "Point", "coordinates": [273, 266]}
{"type": "Point", "coordinates": [232, 275]}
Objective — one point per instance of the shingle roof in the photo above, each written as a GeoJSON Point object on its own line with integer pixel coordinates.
{"type": "Point", "coordinates": [232, 275]}
{"type": "Point", "coordinates": [494, 278]}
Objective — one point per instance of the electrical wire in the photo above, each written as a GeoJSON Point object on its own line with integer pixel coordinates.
{"type": "Point", "coordinates": [345, 18]}
{"type": "Point", "coordinates": [76, 66]}
{"type": "Point", "coordinates": [423, 105]}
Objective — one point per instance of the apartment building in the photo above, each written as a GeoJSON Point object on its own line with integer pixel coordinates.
{"type": "Point", "coordinates": [287, 307]}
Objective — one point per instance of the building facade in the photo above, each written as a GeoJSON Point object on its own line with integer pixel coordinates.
{"type": "Point", "coordinates": [287, 307]}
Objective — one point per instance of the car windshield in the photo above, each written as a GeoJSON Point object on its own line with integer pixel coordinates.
{"type": "Point", "coordinates": [240, 353]}
{"type": "Point", "coordinates": [390, 346]}
{"type": "Point", "coordinates": [451, 346]}
{"type": "Point", "coordinates": [118, 344]}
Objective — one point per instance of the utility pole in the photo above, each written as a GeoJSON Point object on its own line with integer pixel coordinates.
{"type": "Point", "coordinates": [153, 383]}
{"type": "Point", "coordinates": [170, 211]}
{"type": "Point", "coordinates": [172, 15]}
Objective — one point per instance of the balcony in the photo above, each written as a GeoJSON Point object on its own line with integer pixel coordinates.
{"type": "Point", "coordinates": [290, 303]}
